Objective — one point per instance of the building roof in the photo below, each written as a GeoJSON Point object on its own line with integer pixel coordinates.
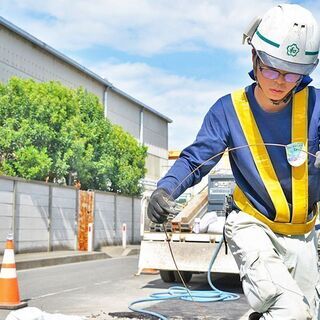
{"type": "Point", "coordinates": [7, 24]}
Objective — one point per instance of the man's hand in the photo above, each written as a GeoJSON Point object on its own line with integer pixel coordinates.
{"type": "Point", "coordinates": [317, 162]}
{"type": "Point", "coordinates": [160, 205]}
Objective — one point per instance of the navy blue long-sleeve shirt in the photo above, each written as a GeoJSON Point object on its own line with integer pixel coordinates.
{"type": "Point", "coordinates": [221, 129]}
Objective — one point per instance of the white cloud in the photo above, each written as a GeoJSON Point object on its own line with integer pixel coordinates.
{"type": "Point", "coordinates": [142, 27]}
{"type": "Point", "coordinates": [185, 100]}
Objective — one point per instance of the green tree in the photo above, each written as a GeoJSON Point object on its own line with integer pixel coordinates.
{"type": "Point", "coordinates": [48, 131]}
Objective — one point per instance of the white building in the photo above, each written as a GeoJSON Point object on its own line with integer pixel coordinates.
{"type": "Point", "coordinates": [23, 55]}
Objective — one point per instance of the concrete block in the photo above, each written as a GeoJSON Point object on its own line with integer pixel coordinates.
{"type": "Point", "coordinates": [31, 246]}
{"type": "Point", "coordinates": [32, 188]}
{"type": "Point", "coordinates": [124, 203]}
{"type": "Point", "coordinates": [6, 197]}
{"type": "Point", "coordinates": [28, 235]}
{"type": "Point", "coordinates": [100, 215]}
{"type": "Point", "coordinates": [63, 213]}
{"type": "Point", "coordinates": [62, 245]}
{"type": "Point", "coordinates": [59, 202]}
{"type": "Point", "coordinates": [5, 223]}
{"type": "Point", "coordinates": [6, 185]}
{"type": "Point", "coordinates": [62, 235]}
{"type": "Point", "coordinates": [104, 206]}
{"type": "Point", "coordinates": [27, 223]}
{"type": "Point", "coordinates": [32, 211]}
{"type": "Point", "coordinates": [62, 224]}
{"type": "Point", "coordinates": [5, 210]}
{"type": "Point", "coordinates": [61, 192]}
{"type": "Point", "coordinates": [104, 198]}
{"type": "Point", "coordinates": [32, 199]}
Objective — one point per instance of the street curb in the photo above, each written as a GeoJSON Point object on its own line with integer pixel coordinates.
{"type": "Point", "coordinates": [130, 252]}
{"type": "Point", "coordinates": [53, 258]}
{"type": "Point", "coordinates": [52, 261]}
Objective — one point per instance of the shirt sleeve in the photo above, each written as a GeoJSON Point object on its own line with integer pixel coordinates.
{"type": "Point", "coordinates": [199, 158]}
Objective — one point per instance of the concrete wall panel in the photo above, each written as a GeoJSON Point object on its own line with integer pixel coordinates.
{"type": "Point", "coordinates": [104, 219]}
{"type": "Point", "coordinates": [39, 227]}
{"type": "Point", "coordinates": [5, 210]}
{"type": "Point", "coordinates": [6, 197]}
{"type": "Point", "coordinates": [6, 185]}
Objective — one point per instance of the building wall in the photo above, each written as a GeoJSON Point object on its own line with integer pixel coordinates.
{"type": "Point", "coordinates": [154, 131]}
{"type": "Point", "coordinates": [155, 134]}
{"type": "Point", "coordinates": [19, 57]}
{"type": "Point", "coordinates": [121, 111]}
{"type": "Point", "coordinates": [44, 217]}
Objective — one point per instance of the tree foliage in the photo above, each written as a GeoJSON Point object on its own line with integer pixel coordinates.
{"type": "Point", "coordinates": [48, 132]}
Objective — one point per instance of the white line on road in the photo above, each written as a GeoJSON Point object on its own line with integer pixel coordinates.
{"type": "Point", "coordinates": [58, 292]}
{"type": "Point", "coordinates": [102, 282]}
{"type": "Point", "coordinates": [69, 290]}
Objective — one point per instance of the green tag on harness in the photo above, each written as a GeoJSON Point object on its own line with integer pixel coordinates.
{"type": "Point", "coordinates": [296, 153]}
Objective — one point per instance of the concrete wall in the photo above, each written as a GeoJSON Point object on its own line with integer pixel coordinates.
{"type": "Point", "coordinates": [44, 217]}
{"type": "Point", "coordinates": [63, 218]}
{"type": "Point", "coordinates": [111, 211]}
{"type": "Point", "coordinates": [31, 220]}
{"type": "Point", "coordinates": [6, 209]}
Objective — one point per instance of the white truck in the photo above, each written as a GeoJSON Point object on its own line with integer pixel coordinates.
{"type": "Point", "coordinates": [193, 235]}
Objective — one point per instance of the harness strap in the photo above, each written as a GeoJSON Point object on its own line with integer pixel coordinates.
{"type": "Point", "coordinates": [278, 227]}
{"type": "Point", "coordinates": [283, 222]}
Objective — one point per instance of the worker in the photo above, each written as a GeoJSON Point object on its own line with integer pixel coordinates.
{"type": "Point", "coordinates": [272, 123]}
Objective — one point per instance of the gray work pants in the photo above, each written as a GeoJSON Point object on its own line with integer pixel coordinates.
{"type": "Point", "coordinates": [279, 273]}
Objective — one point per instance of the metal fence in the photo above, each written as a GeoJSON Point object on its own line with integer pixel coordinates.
{"type": "Point", "coordinates": [44, 216]}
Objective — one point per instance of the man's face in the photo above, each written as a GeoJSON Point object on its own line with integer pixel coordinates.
{"type": "Point", "coordinates": [276, 84]}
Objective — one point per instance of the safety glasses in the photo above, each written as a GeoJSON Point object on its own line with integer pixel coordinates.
{"type": "Point", "coordinates": [273, 74]}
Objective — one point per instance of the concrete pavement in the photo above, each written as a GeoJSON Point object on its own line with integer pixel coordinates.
{"type": "Point", "coordinates": [44, 259]}
{"type": "Point", "coordinates": [137, 285]}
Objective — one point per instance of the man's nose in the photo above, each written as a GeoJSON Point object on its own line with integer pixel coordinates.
{"type": "Point", "coordinates": [281, 79]}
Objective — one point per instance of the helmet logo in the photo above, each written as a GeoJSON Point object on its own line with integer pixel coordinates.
{"type": "Point", "coordinates": [292, 50]}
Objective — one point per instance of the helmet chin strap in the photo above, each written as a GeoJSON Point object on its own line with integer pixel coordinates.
{"type": "Point", "coordinates": [285, 99]}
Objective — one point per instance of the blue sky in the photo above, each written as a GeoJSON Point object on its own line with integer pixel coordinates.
{"type": "Point", "coordinates": [178, 57]}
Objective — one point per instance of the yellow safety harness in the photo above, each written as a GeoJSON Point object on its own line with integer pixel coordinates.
{"type": "Point", "coordinates": [283, 223]}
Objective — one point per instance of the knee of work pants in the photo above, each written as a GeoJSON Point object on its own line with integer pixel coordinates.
{"type": "Point", "coordinates": [263, 292]}
{"type": "Point", "coordinates": [257, 283]}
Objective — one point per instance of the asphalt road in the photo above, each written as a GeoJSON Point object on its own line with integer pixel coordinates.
{"type": "Point", "coordinates": [103, 289]}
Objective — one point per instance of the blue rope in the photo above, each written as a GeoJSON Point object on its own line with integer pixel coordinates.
{"type": "Point", "coordinates": [182, 293]}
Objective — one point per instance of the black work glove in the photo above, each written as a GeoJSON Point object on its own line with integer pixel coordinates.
{"type": "Point", "coordinates": [160, 205]}
{"type": "Point", "coordinates": [317, 162]}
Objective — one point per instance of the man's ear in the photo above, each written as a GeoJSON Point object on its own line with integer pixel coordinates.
{"type": "Point", "coordinates": [254, 53]}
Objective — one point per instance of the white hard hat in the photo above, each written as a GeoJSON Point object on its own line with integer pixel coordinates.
{"type": "Point", "coordinates": [287, 38]}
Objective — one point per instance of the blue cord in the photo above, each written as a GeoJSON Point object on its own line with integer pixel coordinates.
{"type": "Point", "coordinates": [183, 293]}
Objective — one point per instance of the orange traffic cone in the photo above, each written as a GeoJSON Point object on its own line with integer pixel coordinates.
{"type": "Point", "coordinates": [9, 290]}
